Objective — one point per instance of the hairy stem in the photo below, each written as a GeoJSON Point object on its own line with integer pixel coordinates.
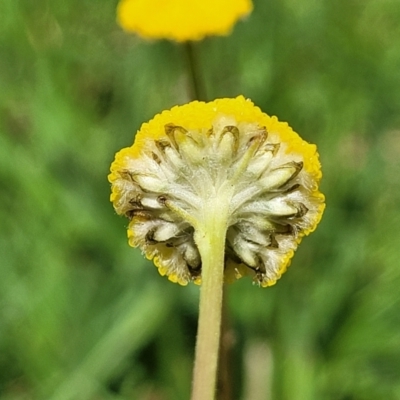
{"type": "Point", "coordinates": [211, 244]}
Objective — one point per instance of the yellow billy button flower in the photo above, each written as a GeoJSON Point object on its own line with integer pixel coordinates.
{"type": "Point", "coordinates": [225, 157]}
{"type": "Point", "coordinates": [181, 20]}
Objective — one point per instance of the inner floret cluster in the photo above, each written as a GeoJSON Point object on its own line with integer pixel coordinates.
{"type": "Point", "coordinates": [165, 186]}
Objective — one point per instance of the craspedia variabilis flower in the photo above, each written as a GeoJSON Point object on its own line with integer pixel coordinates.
{"type": "Point", "coordinates": [181, 20]}
{"type": "Point", "coordinates": [229, 153]}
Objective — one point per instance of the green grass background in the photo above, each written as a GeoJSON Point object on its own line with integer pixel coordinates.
{"type": "Point", "coordinates": [84, 316]}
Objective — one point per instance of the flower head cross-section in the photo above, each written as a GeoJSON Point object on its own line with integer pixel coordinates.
{"type": "Point", "coordinates": [226, 155]}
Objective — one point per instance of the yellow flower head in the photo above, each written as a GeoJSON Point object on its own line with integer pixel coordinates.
{"type": "Point", "coordinates": [181, 20]}
{"type": "Point", "coordinates": [228, 154]}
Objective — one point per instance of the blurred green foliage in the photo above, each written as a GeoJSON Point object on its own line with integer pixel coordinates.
{"type": "Point", "coordinates": [83, 316]}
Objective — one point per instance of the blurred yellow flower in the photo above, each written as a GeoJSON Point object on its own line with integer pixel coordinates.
{"type": "Point", "coordinates": [226, 155]}
{"type": "Point", "coordinates": [181, 20]}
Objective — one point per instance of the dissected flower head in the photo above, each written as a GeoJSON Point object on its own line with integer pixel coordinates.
{"type": "Point", "coordinates": [227, 153]}
{"type": "Point", "coordinates": [181, 20]}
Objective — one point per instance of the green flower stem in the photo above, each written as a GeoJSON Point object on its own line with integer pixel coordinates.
{"type": "Point", "coordinates": [211, 244]}
{"type": "Point", "coordinates": [197, 90]}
